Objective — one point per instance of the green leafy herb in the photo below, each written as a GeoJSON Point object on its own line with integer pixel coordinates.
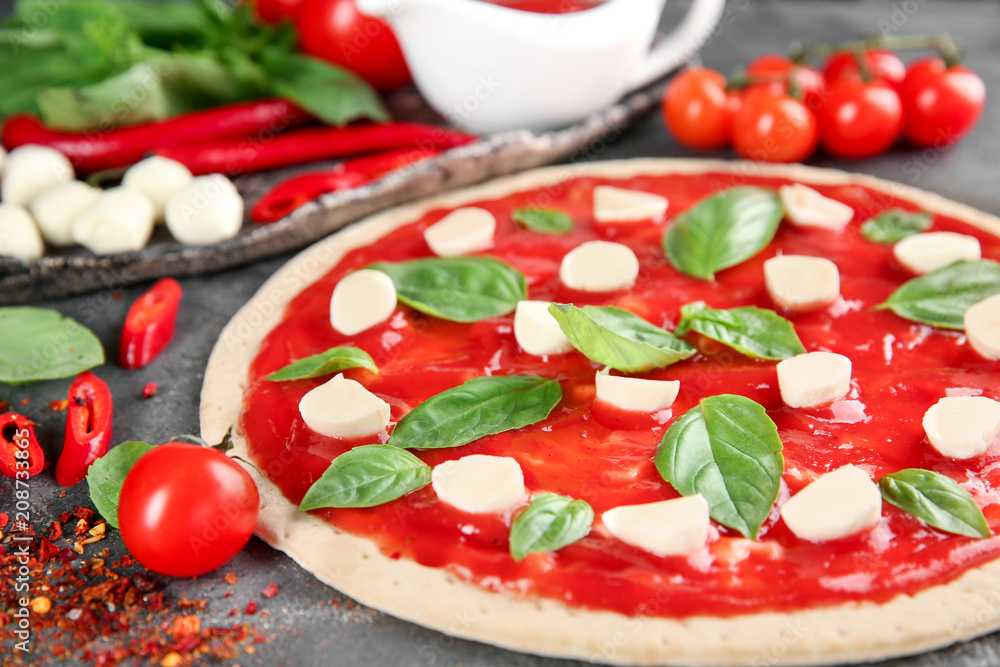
{"type": "Point", "coordinates": [936, 499]}
{"type": "Point", "coordinates": [325, 363]}
{"type": "Point", "coordinates": [107, 473]}
{"type": "Point", "coordinates": [728, 450]}
{"type": "Point", "coordinates": [41, 344]}
{"type": "Point", "coordinates": [722, 231]}
{"type": "Point", "coordinates": [545, 220]}
{"type": "Point", "coordinates": [619, 339]}
{"type": "Point", "coordinates": [479, 407]}
{"type": "Point", "coordinates": [895, 224]}
{"type": "Point", "coordinates": [550, 523]}
{"type": "Point", "coordinates": [941, 297]}
{"type": "Point", "coordinates": [461, 289]}
{"type": "Point", "coordinates": [367, 476]}
{"type": "Point", "coordinates": [752, 331]}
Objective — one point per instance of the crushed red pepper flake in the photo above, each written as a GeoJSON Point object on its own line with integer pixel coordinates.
{"type": "Point", "coordinates": [25, 401]}
{"type": "Point", "coordinates": [149, 390]}
{"type": "Point", "coordinates": [59, 406]}
{"type": "Point", "coordinates": [251, 607]}
{"type": "Point", "coordinates": [4, 406]}
{"type": "Point", "coordinates": [271, 590]}
{"type": "Point", "coordinates": [230, 578]}
{"type": "Point", "coordinates": [84, 513]}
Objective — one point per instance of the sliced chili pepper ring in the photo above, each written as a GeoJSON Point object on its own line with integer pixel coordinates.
{"type": "Point", "coordinates": [19, 448]}
{"type": "Point", "coordinates": [88, 428]}
{"type": "Point", "coordinates": [150, 323]}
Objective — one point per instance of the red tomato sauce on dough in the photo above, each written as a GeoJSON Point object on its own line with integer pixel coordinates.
{"type": "Point", "coordinates": [604, 456]}
{"type": "Point", "coordinates": [547, 6]}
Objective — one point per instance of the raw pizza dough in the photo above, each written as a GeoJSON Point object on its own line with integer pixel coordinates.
{"type": "Point", "coordinates": [962, 609]}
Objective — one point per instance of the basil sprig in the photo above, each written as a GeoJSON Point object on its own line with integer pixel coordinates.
{"type": "Point", "coordinates": [935, 498]}
{"type": "Point", "coordinates": [894, 225]}
{"type": "Point", "coordinates": [749, 330]}
{"type": "Point", "coordinates": [545, 220]}
{"type": "Point", "coordinates": [550, 523]}
{"type": "Point", "coordinates": [619, 339]}
{"type": "Point", "coordinates": [723, 230]}
{"type": "Point", "coordinates": [941, 297]}
{"type": "Point", "coordinates": [460, 289]}
{"type": "Point", "coordinates": [106, 475]}
{"type": "Point", "coordinates": [41, 344]}
{"type": "Point", "coordinates": [476, 408]}
{"type": "Point", "coordinates": [367, 476]}
{"type": "Point", "coordinates": [728, 450]}
{"type": "Point", "coordinates": [325, 363]}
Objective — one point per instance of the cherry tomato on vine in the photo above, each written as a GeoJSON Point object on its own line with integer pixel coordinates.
{"type": "Point", "coordinates": [882, 64]}
{"type": "Point", "coordinates": [773, 127]}
{"type": "Point", "coordinates": [272, 11]}
{"type": "Point", "coordinates": [697, 109]}
{"type": "Point", "coordinates": [860, 119]}
{"type": "Point", "coordinates": [335, 31]}
{"type": "Point", "coordinates": [808, 80]}
{"type": "Point", "coordinates": [940, 103]}
{"type": "Point", "coordinates": [185, 509]}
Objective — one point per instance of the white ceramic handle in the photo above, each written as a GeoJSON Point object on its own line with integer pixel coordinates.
{"type": "Point", "coordinates": [678, 47]}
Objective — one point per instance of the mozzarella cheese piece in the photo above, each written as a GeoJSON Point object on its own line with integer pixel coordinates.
{"type": "Point", "coordinates": [536, 331]}
{"type": "Point", "coordinates": [930, 251]}
{"type": "Point", "coordinates": [479, 484]}
{"type": "Point", "coordinates": [119, 220]}
{"type": "Point", "coordinates": [813, 379]}
{"type": "Point", "coordinates": [599, 266]}
{"type": "Point", "coordinates": [636, 394]}
{"type": "Point", "coordinates": [613, 204]}
{"type": "Point", "coordinates": [838, 504]}
{"type": "Point", "coordinates": [361, 300]}
{"type": "Point", "coordinates": [58, 207]}
{"type": "Point", "coordinates": [206, 210]}
{"type": "Point", "coordinates": [962, 427]}
{"type": "Point", "coordinates": [805, 207]}
{"type": "Point", "coordinates": [157, 178]}
{"type": "Point", "coordinates": [19, 235]}
{"type": "Point", "coordinates": [343, 408]}
{"type": "Point", "coordinates": [29, 170]}
{"type": "Point", "coordinates": [461, 232]}
{"type": "Point", "coordinates": [982, 326]}
{"type": "Point", "coordinates": [665, 528]}
{"type": "Point", "coordinates": [799, 282]}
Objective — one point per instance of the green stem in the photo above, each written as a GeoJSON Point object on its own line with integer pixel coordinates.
{"type": "Point", "coordinates": [949, 48]}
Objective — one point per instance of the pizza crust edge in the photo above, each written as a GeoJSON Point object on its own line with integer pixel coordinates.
{"type": "Point", "coordinates": [938, 616]}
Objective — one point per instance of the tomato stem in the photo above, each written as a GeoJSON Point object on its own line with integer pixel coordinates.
{"type": "Point", "coordinates": [946, 45]}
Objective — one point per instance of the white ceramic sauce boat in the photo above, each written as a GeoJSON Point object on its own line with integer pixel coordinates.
{"type": "Point", "coordinates": [488, 68]}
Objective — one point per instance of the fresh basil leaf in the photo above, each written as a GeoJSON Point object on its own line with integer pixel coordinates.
{"type": "Point", "coordinates": [331, 93]}
{"type": "Point", "coordinates": [723, 230]}
{"type": "Point", "coordinates": [476, 408]}
{"type": "Point", "coordinates": [325, 363]}
{"type": "Point", "coordinates": [106, 474]}
{"type": "Point", "coordinates": [755, 332]}
{"type": "Point", "coordinates": [545, 220]}
{"type": "Point", "coordinates": [41, 344]}
{"type": "Point", "coordinates": [618, 339]}
{"type": "Point", "coordinates": [550, 523]}
{"type": "Point", "coordinates": [940, 298]}
{"type": "Point", "coordinates": [935, 498]}
{"type": "Point", "coordinates": [895, 224]}
{"type": "Point", "coordinates": [728, 450]}
{"type": "Point", "coordinates": [460, 289]}
{"type": "Point", "coordinates": [367, 476]}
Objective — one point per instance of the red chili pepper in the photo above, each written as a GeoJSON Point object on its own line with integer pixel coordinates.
{"type": "Point", "coordinates": [241, 156]}
{"type": "Point", "coordinates": [149, 325]}
{"type": "Point", "coordinates": [110, 149]}
{"type": "Point", "coordinates": [288, 195]}
{"type": "Point", "coordinates": [20, 453]}
{"type": "Point", "coordinates": [88, 428]}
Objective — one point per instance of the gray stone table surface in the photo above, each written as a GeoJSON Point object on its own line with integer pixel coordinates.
{"type": "Point", "coordinates": [308, 623]}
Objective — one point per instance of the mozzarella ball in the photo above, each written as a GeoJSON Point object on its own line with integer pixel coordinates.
{"type": "Point", "coordinates": [56, 208]}
{"type": "Point", "coordinates": [119, 220]}
{"type": "Point", "coordinates": [29, 170]}
{"type": "Point", "coordinates": [157, 178]}
{"type": "Point", "coordinates": [19, 235]}
{"type": "Point", "coordinates": [206, 210]}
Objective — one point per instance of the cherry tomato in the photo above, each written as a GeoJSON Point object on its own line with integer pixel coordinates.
{"type": "Point", "coordinates": [272, 11]}
{"type": "Point", "coordinates": [940, 103]}
{"type": "Point", "coordinates": [698, 110]}
{"type": "Point", "coordinates": [780, 68]}
{"type": "Point", "coordinates": [882, 64]}
{"type": "Point", "coordinates": [773, 127]}
{"type": "Point", "coordinates": [860, 119]}
{"type": "Point", "coordinates": [185, 509]}
{"type": "Point", "coordinates": [335, 31]}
